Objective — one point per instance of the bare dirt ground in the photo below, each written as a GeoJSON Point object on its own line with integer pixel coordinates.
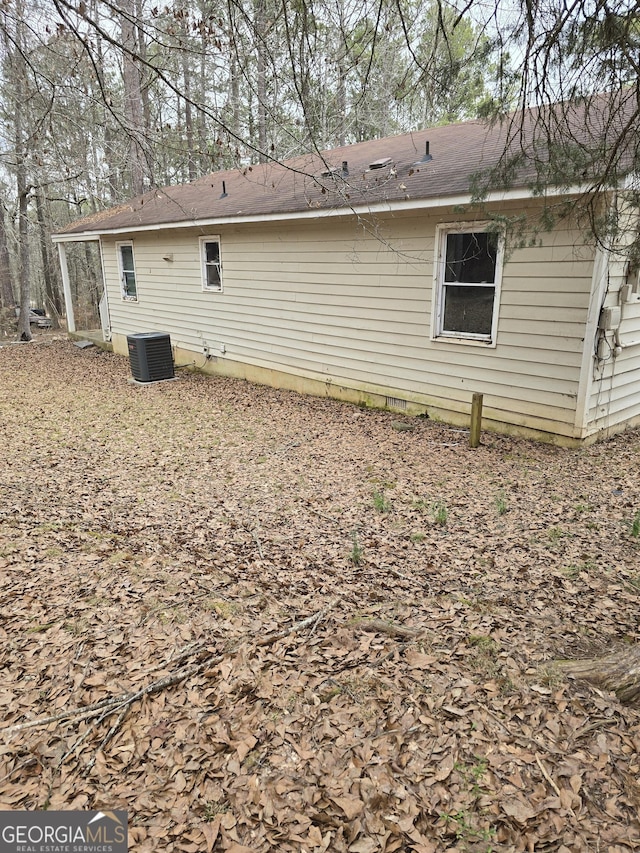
{"type": "Point", "coordinates": [356, 625]}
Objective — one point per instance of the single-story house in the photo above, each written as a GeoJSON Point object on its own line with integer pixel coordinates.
{"type": "Point", "coordinates": [367, 274]}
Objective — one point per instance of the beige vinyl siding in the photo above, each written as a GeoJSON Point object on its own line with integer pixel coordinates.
{"type": "Point", "coordinates": [615, 395]}
{"type": "Point", "coordinates": [615, 388]}
{"type": "Point", "coordinates": [333, 301]}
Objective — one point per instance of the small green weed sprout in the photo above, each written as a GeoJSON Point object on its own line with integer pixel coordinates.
{"type": "Point", "coordinates": [501, 503]}
{"type": "Point", "coordinates": [478, 769]}
{"type": "Point", "coordinates": [439, 511]}
{"type": "Point", "coordinates": [635, 525]}
{"type": "Point", "coordinates": [380, 502]}
{"type": "Point", "coordinates": [555, 534]}
{"type": "Point", "coordinates": [549, 675]}
{"type": "Point", "coordinates": [212, 809]}
{"type": "Point", "coordinates": [484, 657]}
{"type": "Point", "coordinates": [464, 825]}
{"type": "Point", "coordinates": [356, 551]}
{"type": "Point", "coordinates": [571, 572]}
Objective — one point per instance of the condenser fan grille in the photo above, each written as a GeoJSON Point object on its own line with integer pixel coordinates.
{"type": "Point", "coordinates": [150, 356]}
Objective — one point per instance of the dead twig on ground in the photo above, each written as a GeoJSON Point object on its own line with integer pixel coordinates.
{"type": "Point", "coordinates": [115, 728]}
{"type": "Point", "coordinates": [77, 713]}
{"type": "Point", "coordinates": [544, 772]}
{"type": "Point", "coordinates": [386, 628]}
{"type": "Point", "coordinates": [254, 536]}
{"type": "Point", "coordinates": [123, 702]}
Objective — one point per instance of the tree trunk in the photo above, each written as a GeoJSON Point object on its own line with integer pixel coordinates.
{"type": "Point", "coordinates": [144, 82]}
{"type": "Point", "coordinates": [201, 127]}
{"type": "Point", "coordinates": [261, 82]}
{"type": "Point", "coordinates": [24, 327]}
{"type": "Point", "coordinates": [188, 96]}
{"type": "Point", "coordinates": [7, 299]}
{"type": "Point", "coordinates": [19, 76]}
{"type": "Point", "coordinates": [109, 137]}
{"type": "Point", "coordinates": [133, 107]}
{"type": "Point", "coordinates": [341, 93]}
{"type": "Point", "coordinates": [618, 672]}
{"type": "Point", "coordinates": [234, 86]}
{"type": "Point", "coordinates": [51, 290]}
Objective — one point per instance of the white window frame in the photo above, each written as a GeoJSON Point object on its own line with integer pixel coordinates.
{"type": "Point", "coordinates": [126, 297]}
{"type": "Point", "coordinates": [213, 238]}
{"type": "Point", "coordinates": [439, 285]}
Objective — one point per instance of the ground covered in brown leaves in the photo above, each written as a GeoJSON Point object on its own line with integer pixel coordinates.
{"type": "Point", "coordinates": [361, 621]}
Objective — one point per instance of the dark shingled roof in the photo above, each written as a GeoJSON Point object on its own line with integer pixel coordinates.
{"type": "Point", "coordinates": [297, 185]}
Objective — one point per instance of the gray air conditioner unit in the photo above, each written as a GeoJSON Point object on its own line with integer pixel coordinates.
{"type": "Point", "coordinates": [150, 356]}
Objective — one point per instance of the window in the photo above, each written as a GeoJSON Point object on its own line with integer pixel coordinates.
{"type": "Point", "coordinates": [468, 272]}
{"type": "Point", "coordinates": [211, 266]}
{"type": "Point", "coordinates": [127, 272]}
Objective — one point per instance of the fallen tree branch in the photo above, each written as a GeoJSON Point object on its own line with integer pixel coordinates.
{"type": "Point", "coordinates": [77, 713]}
{"type": "Point", "coordinates": [618, 672]}
{"type": "Point", "coordinates": [115, 728]}
{"type": "Point", "coordinates": [110, 705]}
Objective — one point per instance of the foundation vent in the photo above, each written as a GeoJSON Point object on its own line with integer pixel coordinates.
{"type": "Point", "coordinates": [396, 403]}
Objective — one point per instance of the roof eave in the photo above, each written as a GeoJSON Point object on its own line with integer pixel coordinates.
{"type": "Point", "coordinates": [380, 207]}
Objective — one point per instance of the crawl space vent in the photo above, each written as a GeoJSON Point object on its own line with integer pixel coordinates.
{"type": "Point", "coordinates": [150, 356]}
{"type": "Point", "coordinates": [396, 403]}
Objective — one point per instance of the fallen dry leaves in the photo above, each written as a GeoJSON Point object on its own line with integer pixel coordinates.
{"type": "Point", "coordinates": [356, 625]}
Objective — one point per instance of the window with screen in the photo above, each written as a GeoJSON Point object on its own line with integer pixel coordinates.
{"type": "Point", "coordinates": [127, 268]}
{"type": "Point", "coordinates": [467, 280]}
{"type": "Point", "coordinates": [211, 264]}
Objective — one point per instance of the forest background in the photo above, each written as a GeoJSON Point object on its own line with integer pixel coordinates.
{"type": "Point", "coordinates": [100, 101]}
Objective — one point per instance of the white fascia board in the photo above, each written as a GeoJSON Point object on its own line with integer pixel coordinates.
{"type": "Point", "coordinates": [83, 237]}
{"type": "Point", "coordinates": [314, 213]}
